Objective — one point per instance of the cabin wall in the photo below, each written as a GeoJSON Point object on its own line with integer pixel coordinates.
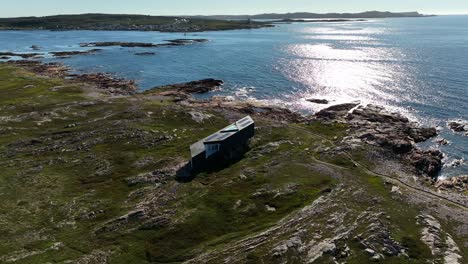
{"type": "Point", "coordinates": [236, 145]}
{"type": "Point", "coordinates": [220, 154]}
{"type": "Point", "coordinates": [199, 162]}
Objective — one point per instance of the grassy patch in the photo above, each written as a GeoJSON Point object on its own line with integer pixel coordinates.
{"type": "Point", "coordinates": [228, 211]}
{"type": "Point", "coordinates": [331, 131]}
{"type": "Point", "coordinates": [64, 166]}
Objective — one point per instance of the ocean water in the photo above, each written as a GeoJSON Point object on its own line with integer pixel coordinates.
{"type": "Point", "coordinates": [416, 66]}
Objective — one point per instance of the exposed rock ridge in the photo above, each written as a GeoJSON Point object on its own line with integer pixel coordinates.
{"type": "Point", "coordinates": [441, 243]}
{"type": "Point", "coordinates": [105, 83]}
{"type": "Point", "coordinates": [376, 126]}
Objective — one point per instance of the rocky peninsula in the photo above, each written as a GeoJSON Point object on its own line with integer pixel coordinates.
{"type": "Point", "coordinates": [89, 170]}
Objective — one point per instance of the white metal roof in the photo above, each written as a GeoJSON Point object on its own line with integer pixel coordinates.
{"type": "Point", "coordinates": [221, 135]}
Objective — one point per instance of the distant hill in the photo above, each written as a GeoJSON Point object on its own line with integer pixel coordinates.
{"type": "Point", "coordinates": [172, 24]}
{"type": "Point", "coordinates": [124, 22]}
{"type": "Point", "coordinates": [368, 14]}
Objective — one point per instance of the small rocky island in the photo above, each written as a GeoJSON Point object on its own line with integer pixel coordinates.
{"type": "Point", "coordinates": [171, 42]}
{"type": "Point", "coordinates": [89, 169]}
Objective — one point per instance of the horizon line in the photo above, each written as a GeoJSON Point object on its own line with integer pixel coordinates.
{"type": "Point", "coordinates": [253, 14]}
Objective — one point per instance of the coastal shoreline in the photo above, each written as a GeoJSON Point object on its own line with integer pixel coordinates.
{"type": "Point", "coordinates": [428, 162]}
{"type": "Point", "coordinates": [109, 160]}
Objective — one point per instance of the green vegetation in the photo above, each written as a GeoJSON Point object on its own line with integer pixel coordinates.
{"type": "Point", "coordinates": [66, 161]}
{"type": "Point", "coordinates": [124, 22]}
{"type": "Point", "coordinates": [52, 191]}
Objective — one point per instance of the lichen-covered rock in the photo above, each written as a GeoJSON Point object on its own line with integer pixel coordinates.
{"type": "Point", "coordinates": [440, 243]}
{"type": "Point", "coordinates": [199, 117]}
{"type": "Point", "coordinates": [459, 183]}
{"type": "Point", "coordinates": [376, 126]}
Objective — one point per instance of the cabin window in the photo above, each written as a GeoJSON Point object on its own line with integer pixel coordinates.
{"type": "Point", "coordinates": [212, 149]}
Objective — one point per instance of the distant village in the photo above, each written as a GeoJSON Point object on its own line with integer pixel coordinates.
{"type": "Point", "coordinates": [179, 25]}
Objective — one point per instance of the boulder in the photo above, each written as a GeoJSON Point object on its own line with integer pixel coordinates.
{"type": "Point", "coordinates": [421, 134]}
{"type": "Point", "coordinates": [456, 163]}
{"type": "Point", "coordinates": [318, 101]}
{"type": "Point", "coordinates": [199, 117]}
{"type": "Point", "coordinates": [442, 142]}
{"type": "Point", "coordinates": [428, 162]}
{"type": "Point", "coordinates": [396, 190]}
{"type": "Point", "coordinates": [459, 183]}
{"type": "Point", "coordinates": [335, 111]}
{"type": "Point", "coordinates": [401, 146]}
{"type": "Point", "coordinates": [457, 127]}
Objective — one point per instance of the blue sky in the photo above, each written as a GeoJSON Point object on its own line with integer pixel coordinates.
{"type": "Point", "coordinates": [194, 7]}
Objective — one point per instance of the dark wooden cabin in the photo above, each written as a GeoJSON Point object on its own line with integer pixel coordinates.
{"type": "Point", "coordinates": [222, 147]}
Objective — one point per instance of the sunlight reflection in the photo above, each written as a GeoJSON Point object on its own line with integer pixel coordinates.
{"type": "Point", "coordinates": [323, 51]}
{"type": "Point", "coordinates": [367, 74]}
{"type": "Point", "coordinates": [340, 37]}
{"type": "Point", "coordinates": [342, 31]}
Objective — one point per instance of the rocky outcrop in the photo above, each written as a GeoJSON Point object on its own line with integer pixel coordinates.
{"type": "Point", "coordinates": [55, 70]}
{"type": "Point", "coordinates": [137, 215]}
{"type": "Point", "coordinates": [183, 90]}
{"type": "Point", "coordinates": [440, 242]}
{"type": "Point", "coordinates": [119, 44]}
{"type": "Point", "coordinates": [22, 55]}
{"type": "Point", "coordinates": [107, 83]}
{"type": "Point", "coordinates": [317, 101]}
{"type": "Point", "coordinates": [174, 42]}
{"type": "Point", "coordinates": [376, 126]}
{"type": "Point", "coordinates": [186, 41]}
{"type": "Point", "coordinates": [145, 53]}
{"type": "Point", "coordinates": [202, 86]}
{"type": "Point", "coordinates": [335, 111]}
{"type": "Point", "coordinates": [376, 239]}
{"type": "Point", "coordinates": [458, 126]}
{"type": "Point", "coordinates": [426, 162]}
{"type": "Point", "coordinates": [459, 183]}
{"type": "Point", "coordinates": [199, 117]}
{"type": "Point", "coordinates": [64, 54]}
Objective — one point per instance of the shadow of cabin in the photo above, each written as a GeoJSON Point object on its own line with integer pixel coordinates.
{"type": "Point", "coordinates": [220, 149]}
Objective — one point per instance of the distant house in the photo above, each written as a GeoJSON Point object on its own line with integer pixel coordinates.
{"type": "Point", "coordinates": [223, 146]}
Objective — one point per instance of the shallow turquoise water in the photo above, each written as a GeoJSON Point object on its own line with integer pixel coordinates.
{"type": "Point", "coordinates": [418, 66]}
